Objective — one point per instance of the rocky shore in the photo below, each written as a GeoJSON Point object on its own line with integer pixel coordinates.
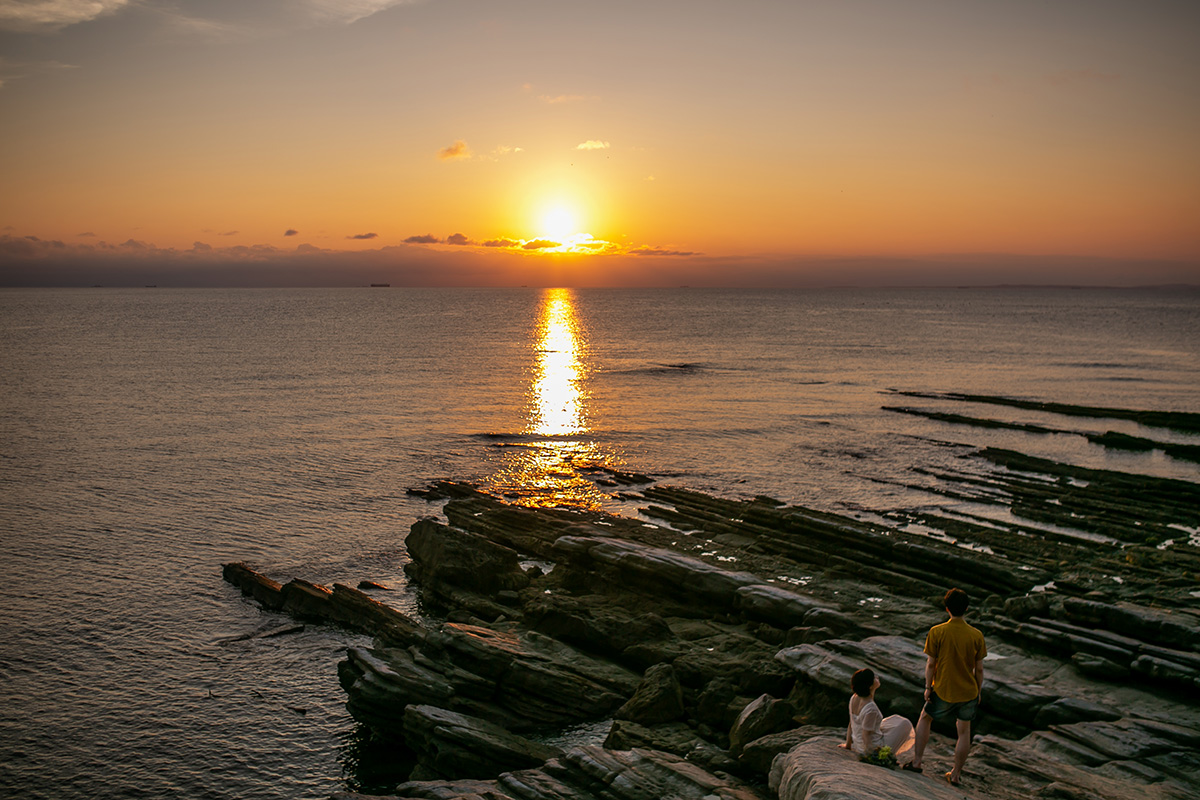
{"type": "Point", "coordinates": [710, 642]}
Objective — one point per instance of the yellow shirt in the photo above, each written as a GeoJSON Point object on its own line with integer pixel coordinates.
{"type": "Point", "coordinates": [956, 646]}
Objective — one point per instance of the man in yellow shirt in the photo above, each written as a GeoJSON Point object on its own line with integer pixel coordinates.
{"type": "Point", "coordinates": [953, 681]}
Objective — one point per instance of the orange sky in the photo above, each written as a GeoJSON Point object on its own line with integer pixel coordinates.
{"type": "Point", "coordinates": [706, 134]}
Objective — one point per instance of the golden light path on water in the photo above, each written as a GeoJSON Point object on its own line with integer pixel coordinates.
{"type": "Point", "coordinates": [547, 467]}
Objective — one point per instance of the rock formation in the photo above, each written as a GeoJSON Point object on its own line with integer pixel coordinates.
{"type": "Point", "coordinates": [715, 646]}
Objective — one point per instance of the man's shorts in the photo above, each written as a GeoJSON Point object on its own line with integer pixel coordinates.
{"type": "Point", "coordinates": [939, 709]}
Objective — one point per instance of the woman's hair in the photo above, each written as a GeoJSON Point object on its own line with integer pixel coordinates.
{"type": "Point", "coordinates": [862, 681]}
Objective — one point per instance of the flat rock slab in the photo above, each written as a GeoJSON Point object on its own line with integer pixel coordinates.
{"type": "Point", "coordinates": [820, 770]}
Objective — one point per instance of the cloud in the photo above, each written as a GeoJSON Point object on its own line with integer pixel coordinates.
{"type": "Point", "coordinates": [427, 238]}
{"type": "Point", "coordinates": [291, 232]}
{"type": "Point", "coordinates": [48, 16]}
{"type": "Point", "coordinates": [593, 144]}
{"type": "Point", "coordinates": [658, 251]}
{"type": "Point", "coordinates": [501, 243]}
{"type": "Point", "coordinates": [540, 244]}
{"type": "Point", "coordinates": [561, 98]}
{"type": "Point", "coordinates": [86, 233]}
{"type": "Point", "coordinates": [364, 236]}
{"type": "Point", "coordinates": [347, 12]}
{"type": "Point", "coordinates": [504, 150]}
{"type": "Point", "coordinates": [201, 247]}
{"type": "Point", "coordinates": [228, 233]}
{"type": "Point", "coordinates": [454, 152]}
{"type": "Point", "coordinates": [457, 238]}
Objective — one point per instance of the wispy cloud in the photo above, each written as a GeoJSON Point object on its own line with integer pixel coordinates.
{"type": "Point", "coordinates": [48, 16]}
{"type": "Point", "coordinates": [454, 152]}
{"type": "Point", "coordinates": [658, 251]}
{"type": "Point", "coordinates": [457, 238]}
{"type": "Point", "coordinates": [350, 11]}
{"type": "Point", "coordinates": [14, 70]}
{"type": "Point", "coordinates": [540, 244]}
{"type": "Point", "coordinates": [427, 238]}
{"type": "Point", "coordinates": [501, 243]}
{"type": "Point", "coordinates": [291, 232]}
{"type": "Point", "coordinates": [371, 235]}
{"type": "Point", "coordinates": [561, 98]}
{"type": "Point", "coordinates": [593, 144]}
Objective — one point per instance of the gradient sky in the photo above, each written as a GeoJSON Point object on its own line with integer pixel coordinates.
{"type": "Point", "coordinates": [451, 141]}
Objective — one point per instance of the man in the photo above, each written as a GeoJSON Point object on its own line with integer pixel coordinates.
{"type": "Point", "coordinates": [953, 681]}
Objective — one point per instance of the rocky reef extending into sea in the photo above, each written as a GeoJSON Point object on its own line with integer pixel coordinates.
{"type": "Point", "coordinates": [710, 641]}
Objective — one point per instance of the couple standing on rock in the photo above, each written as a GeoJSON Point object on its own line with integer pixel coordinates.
{"type": "Point", "coordinates": [954, 654]}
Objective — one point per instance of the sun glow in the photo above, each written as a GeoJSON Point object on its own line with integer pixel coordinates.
{"type": "Point", "coordinates": [558, 223]}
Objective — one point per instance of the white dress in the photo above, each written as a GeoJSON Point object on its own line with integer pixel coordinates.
{"type": "Point", "coordinates": [869, 730]}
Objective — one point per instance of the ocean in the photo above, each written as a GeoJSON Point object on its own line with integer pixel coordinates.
{"type": "Point", "coordinates": [151, 435]}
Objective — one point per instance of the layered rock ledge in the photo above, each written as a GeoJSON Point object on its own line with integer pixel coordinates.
{"type": "Point", "coordinates": [714, 647]}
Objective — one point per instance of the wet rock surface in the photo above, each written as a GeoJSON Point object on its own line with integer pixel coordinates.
{"type": "Point", "coordinates": [713, 640]}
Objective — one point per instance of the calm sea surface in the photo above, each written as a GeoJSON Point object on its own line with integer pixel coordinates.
{"type": "Point", "coordinates": [148, 436]}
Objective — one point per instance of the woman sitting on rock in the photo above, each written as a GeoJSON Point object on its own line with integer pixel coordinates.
{"type": "Point", "coordinates": [868, 730]}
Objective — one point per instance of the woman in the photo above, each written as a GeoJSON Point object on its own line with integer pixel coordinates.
{"type": "Point", "coordinates": [868, 730]}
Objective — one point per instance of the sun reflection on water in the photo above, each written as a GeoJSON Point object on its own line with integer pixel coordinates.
{"type": "Point", "coordinates": [549, 462]}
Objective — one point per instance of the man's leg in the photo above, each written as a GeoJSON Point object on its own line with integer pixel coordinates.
{"type": "Point", "coordinates": [961, 748]}
{"type": "Point", "coordinates": [924, 724]}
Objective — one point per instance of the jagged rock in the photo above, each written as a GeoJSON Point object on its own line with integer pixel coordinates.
{"type": "Point", "coordinates": [656, 570]}
{"type": "Point", "coordinates": [671, 737]}
{"type": "Point", "coordinates": [1139, 623]}
{"type": "Point", "coordinates": [442, 554]}
{"type": "Point", "coordinates": [519, 680]}
{"type": "Point", "coordinates": [1098, 667]}
{"type": "Point", "coordinates": [658, 699]}
{"type": "Point", "coordinates": [782, 608]}
{"type": "Point", "coordinates": [1028, 605]}
{"type": "Point", "coordinates": [342, 605]}
{"type": "Point", "coordinates": [460, 746]}
{"type": "Point", "coordinates": [763, 716]}
{"type": "Point", "coordinates": [1066, 710]}
{"type": "Point", "coordinates": [252, 584]}
{"type": "Point", "coordinates": [756, 756]}
{"type": "Point", "coordinates": [597, 624]}
{"type": "Point", "coordinates": [592, 773]}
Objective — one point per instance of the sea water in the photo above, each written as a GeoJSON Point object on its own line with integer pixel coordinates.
{"type": "Point", "coordinates": [150, 435]}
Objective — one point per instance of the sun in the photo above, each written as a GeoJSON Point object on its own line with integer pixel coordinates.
{"type": "Point", "coordinates": [558, 223]}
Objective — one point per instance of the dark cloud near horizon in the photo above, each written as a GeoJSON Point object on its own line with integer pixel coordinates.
{"type": "Point", "coordinates": [457, 238]}
{"type": "Point", "coordinates": [371, 235]}
{"type": "Point", "coordinates": [540, 244]}
{"type": "Point", "coordinates": [501, 243]}
{"type": "Point", "coordinates": [291, 232]}
{"type": "Point", "coordinates": [87, 233]}
{"type": "Point", "coordinates": [658, 251]}
{"type": "Point", "coordinates": [425, 238]}
{"type": "Point", "coordinates": [30, 261]}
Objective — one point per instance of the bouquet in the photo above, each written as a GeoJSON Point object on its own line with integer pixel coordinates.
{"type": "Point", "coordinates": [882, 757]}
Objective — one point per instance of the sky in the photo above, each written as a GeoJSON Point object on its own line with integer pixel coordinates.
{"type": "Point", "coordinates": [555, 142]}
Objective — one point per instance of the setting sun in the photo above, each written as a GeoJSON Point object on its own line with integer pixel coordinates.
{"type": "Point", "coordinates": [558, 222]}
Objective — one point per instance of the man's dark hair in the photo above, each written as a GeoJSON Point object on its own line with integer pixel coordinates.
{"type": "Point", "coordinates": [862, 681]}
{"type": "Point", "coordinates": [956, 602]}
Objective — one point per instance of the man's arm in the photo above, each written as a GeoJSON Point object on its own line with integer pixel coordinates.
{"type": "Point", "coordinates": [930, 669]}
{"type": "Point", "coordinates": [979, 677]}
